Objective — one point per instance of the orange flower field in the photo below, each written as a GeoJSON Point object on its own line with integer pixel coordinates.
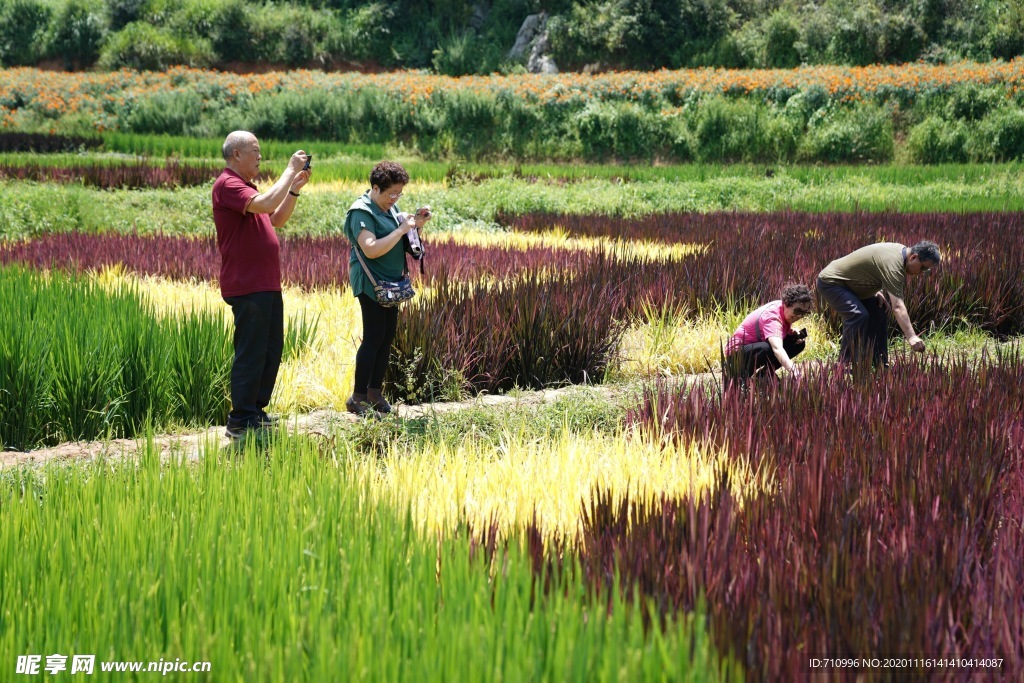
{"type": "Point", "coordinates": [103, 96]}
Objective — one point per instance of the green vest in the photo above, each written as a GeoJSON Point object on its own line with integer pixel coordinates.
{"type": "Point", "coordinates": [364, 214]}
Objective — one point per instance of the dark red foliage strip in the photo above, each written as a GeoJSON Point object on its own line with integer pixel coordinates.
{"type": "Point", "coordinates": [527, 331]}
{"type": "Point", "coordinates": [895, 528]}
{"type": "Point", "coordinates": [309, 262]}
{"type": "Point", "coordinates": [753, 255]}
{"type": "Point", "coordinates": [129, 175]}
{"type": "Point", "coordinates": [42, 143]}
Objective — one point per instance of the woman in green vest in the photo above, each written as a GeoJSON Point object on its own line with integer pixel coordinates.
{"type": "Point", "coordinates": [375, 228]}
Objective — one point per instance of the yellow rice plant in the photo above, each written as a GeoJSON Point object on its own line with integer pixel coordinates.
{"type": "Point", "coordinates": [517, 481]}
{"type": "Point", "coordinates": [671, 344]}
{"type": "Point", "coordinates": [349, 190]}
{"type": "Point", "coordinates": [559, 239]}
{"type": "Point", "coordinates": [320, 377]}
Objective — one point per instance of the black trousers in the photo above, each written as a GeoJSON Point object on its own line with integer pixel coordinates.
{"type": "Point", "coordinates": [865, 326]}
{"type": "Point", "coordinates": [374, 354]}
{"type": "Point", "coordinates": [259, 341]}
{"type": "Point", "coordinates": [758, 359]}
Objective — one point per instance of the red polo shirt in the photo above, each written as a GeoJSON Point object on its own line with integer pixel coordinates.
{"type": "Point", "coordinates": [250, 255]}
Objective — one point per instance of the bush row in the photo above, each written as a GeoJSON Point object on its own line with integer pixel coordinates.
{"type": "Point", "coordinates": [462, 37]}
{"type": "Point", "coordinates": [892, 525]}
{"type": "Point", "coordinates": [80, 362]}
{"type": "Point", "coordinates": [804, 128]}
{"type": "Point", "coordinates": [153, 34]}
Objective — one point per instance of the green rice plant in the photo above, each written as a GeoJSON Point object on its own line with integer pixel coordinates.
{"type": "Point", "coordinates": [200, 363]}
{"type": "Point", "coordinates": [300, 334]}
{"type": "Point", "coordinates": [280, 564]}
{"type": "Point", "coordinates": [80, 362]}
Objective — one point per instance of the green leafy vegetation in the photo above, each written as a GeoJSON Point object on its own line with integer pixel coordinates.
{"type": "Point", "coordinates": [462, 37]}
{"type": "Point", "coordinates": [281, 564]}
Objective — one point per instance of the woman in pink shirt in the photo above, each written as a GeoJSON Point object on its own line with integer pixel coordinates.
{"type": "Point", "coordinates": [765, 340]}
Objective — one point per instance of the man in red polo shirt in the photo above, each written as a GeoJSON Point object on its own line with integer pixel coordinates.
{"type": "Point", "coordinates": [250, 272]}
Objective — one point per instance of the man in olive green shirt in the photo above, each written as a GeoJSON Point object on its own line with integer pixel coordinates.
{"type": "Point", "coordinates": [864, 285]}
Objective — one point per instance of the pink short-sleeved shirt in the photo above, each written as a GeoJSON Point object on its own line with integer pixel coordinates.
{"type": "Point", "coordinates": [249, 249]}
{"type": "Point", "coordinates": [773, 324]}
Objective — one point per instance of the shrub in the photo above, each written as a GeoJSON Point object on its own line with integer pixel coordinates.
{"type": "Point", "coordinates": [620, 130]}
{"type": "Point", "coordinates": [807, 103]}
{"type": "Point", "coordinates": [231, 31]}
{"type": "Point", "coordinates": [727, 130]}
{"type": "Point", "coordinates": [76, 32]}
{"type": "Point", "coordinates": [469, 123]}
{"type": "Point", "coordinates": [863, 132]}
{"type": "Point", "coordinates": [166, 113]}
{"type": "Point", "coordinates": [855, 33]}
{"type": "Point", "coordinates": [459, 54]}
{"type": "Point", "coordinates": [23, 26]}
{"type": "Point", "coordinates": [124, 12]}
{"type": "Point", "coordinates": [937, 141]}
{"type": "Point", "coordinates": [782, 33]}
{"type": "Point", "coordinates": [998, 137]}
{"type": "Point", "coordinates": [902, 39]}
{"type": "Point", "coordinates": [143, 46]}
{"type": "Point", "coordinates": [973, 102]}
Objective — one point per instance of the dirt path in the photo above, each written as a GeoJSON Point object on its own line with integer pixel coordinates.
{"type": "Point", "coordinates": [190, 445]}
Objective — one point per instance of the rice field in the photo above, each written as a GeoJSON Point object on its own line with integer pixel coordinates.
{"type": "Point", "coordinates": [646, 524]}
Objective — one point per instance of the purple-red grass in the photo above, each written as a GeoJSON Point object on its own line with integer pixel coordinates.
{"type": "Point", "coordinates": [753, 255]}
{"type": "Point", "coordinates": [527, 331]}
{"type": "Point", "coordinates": [132, 175]}
{"type": "Point", "coordinates": [42, 143]}
{"type": "Point", "coordinates": [309, 262]}
{"type": "Point", "coordinates": [895, 528]}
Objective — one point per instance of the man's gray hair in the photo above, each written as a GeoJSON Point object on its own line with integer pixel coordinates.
{"type": "Point", "coordinates": [235, 140]}
{"type": "Point", "coordinates": [927, 251]}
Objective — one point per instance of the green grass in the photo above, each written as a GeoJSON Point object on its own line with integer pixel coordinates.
{"type": "Point", "coordinates": [207, 148]}
{"type": "Point", "coordinates": [342, 162]}
{"type": "Point", "coordinates": [81, 362]}
{"type": "Point", "coordinates": [274, 567]}
{"type": "Point", "coordinates": [578, 411]}
{"type": "Point", "coordinates": [32, 208]}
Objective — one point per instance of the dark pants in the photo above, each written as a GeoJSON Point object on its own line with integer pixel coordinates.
{"type": "Point", "coordinates": [865, 325]}
{"type": "Point", "coordinates": [758, 359]}
{"type": "Point", "coordinates": [379, 327]}
{"type": "Point", "coordinates": [259, 341]}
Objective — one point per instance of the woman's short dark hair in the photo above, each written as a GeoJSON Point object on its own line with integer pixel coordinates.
{"type": "Point", "coordinates": [388, 173]}
{"type": "Point", "coordinates": [796, 294]}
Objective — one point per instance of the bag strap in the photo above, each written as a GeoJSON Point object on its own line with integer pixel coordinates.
{"type": "Point", "coordinates": [359, 255]}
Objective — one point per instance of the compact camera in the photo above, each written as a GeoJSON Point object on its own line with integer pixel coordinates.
{"type": "Point", "coordinates": [411, 240]}
{"type": "Point", "coordinates": [801, 333]}
{"type": "Point", "coordinates": [415, 247]}
{"type": "Point", "coordinates": [309, 161]}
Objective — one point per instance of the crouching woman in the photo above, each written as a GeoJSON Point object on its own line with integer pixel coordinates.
{"type": "Point", "coordinates": [765, 341]}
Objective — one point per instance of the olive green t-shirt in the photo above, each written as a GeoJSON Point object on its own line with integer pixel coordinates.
{"type": "Point", "coordinates": [364, 214]}
{"type": "Point", "coordinates": [868, 270]}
